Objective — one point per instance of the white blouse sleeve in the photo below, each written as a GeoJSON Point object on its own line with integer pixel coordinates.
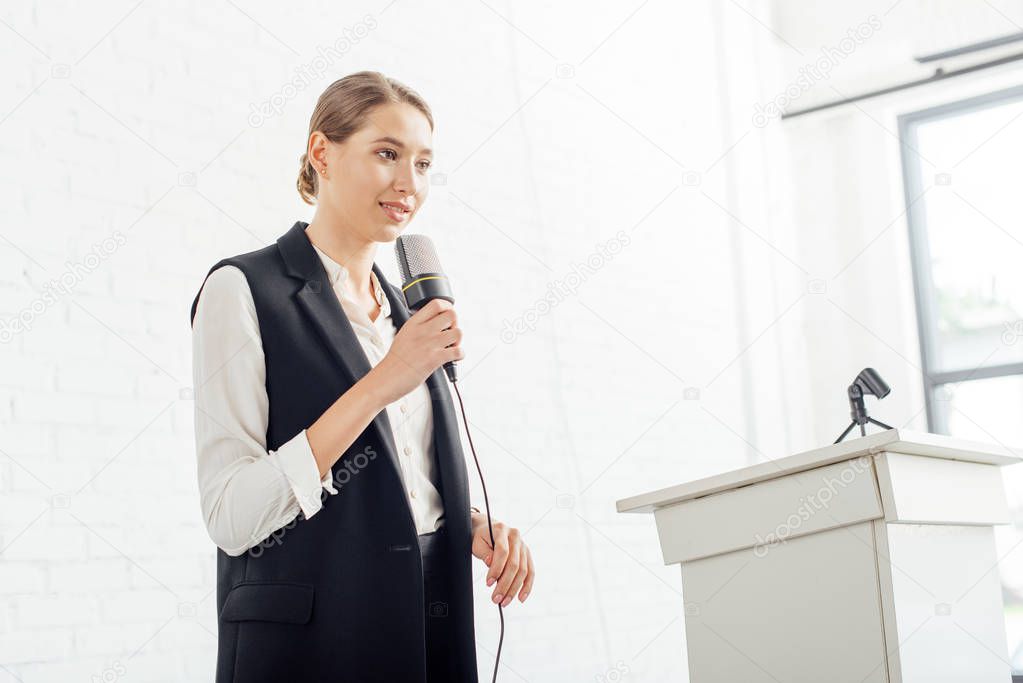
{"type": "Point", "coordinates": [246, 492]}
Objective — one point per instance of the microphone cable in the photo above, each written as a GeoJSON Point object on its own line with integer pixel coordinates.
{"type": "Point", "coordinates": [423, 280]}
{"type": "Point", "coordinates": [490, 526]}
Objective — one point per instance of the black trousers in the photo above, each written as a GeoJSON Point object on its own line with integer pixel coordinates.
{"type": "Point", "coordinates": [441, 663]}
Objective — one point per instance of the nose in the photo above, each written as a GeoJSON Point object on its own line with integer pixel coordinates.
{"type": "Point", "coordinates": [407, 180]}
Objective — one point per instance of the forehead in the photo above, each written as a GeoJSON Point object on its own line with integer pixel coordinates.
{"type": "Point", "coordinates": [401, 124]}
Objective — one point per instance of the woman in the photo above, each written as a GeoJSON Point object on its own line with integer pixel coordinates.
{"type": "Point", "coordinates": [330, 467]}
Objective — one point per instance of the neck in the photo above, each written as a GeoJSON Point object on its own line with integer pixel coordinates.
{"type": "Point", "coordinates": [344, 246]}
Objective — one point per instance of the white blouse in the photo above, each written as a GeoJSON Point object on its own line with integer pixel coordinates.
{"type": "Point", "coordinates": [246, 492]}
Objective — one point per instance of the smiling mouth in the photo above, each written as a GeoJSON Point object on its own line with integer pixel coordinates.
{"type": "Point", "coordinates": [394, 213]}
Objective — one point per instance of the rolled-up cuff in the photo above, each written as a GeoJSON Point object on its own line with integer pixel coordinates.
{"type": "Point", "coordinates": [300, 469]}
{"type": "Point", "coordinates": [328, 483]}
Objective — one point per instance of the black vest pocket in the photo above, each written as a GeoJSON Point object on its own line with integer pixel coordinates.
{"type": "Point", "coordinates": [284, 602]}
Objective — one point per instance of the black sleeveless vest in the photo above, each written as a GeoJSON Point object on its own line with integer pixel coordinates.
{"type": "Point", "coordinates": [338, 596]}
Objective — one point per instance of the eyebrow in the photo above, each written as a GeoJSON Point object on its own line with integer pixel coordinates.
{"type": "Point", "coordinates": [398, 143]}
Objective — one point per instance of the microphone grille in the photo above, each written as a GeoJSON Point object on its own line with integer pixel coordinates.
{"type": "Point", "coordinates": [416, 257]}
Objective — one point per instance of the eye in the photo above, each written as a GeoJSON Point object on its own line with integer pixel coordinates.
{"type": "Point", "coordinates": [424, 165]}
{"type": "Point", "coordinates": [388, 151]}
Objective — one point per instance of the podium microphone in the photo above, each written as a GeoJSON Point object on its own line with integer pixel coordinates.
{"type": "Point", "coordinates": [423, 280]}
{"type": "Point", "coordinates": [867, 383]}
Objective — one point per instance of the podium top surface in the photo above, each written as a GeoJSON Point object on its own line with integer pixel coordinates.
{"type": "Point", "coordinates": [892, 440]}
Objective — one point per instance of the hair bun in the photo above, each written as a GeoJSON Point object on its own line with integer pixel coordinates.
{"type": "Point", "coordinates": [307, 180]}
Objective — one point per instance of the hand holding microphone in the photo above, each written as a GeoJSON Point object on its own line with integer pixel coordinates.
{"type": "Point", "coordinates": [422, 279]}
{"type": "Point", "coordinates": [429, 339]}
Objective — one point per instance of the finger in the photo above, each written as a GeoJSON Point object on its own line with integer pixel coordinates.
{"type": "Point", "coordinates": [505, 588]}
{"type": "Point", "coordinates": [527, 586]}
{"type": "Point", "coordinates": [520, 577]}
{"type": "Point", "coordinates": [500, 553]}
{"type": "Point", "coordinates": [433, 308]}
{"type": "Point", "coordinates": [481, 546]}
{"type": "Point", "coordinates": [511, 566]}
{"type": "Point", "coordinates": [445, 319]}
{"type": "Point", "coordinates": [452, 337]}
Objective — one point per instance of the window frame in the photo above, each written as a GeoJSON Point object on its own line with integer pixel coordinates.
{"type": "Point", "coordinates": [920, 253]}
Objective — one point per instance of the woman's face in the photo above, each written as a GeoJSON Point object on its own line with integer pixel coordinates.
{"type": "Point", "coordinates": [386, 162]}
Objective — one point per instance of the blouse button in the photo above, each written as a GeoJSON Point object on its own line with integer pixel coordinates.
{"type": "Point", "coordinates": [412, 493]}
{"type": "Point", "coordinates": [408, 451]}
{"type": "Point", "coordinates": [404, 409]}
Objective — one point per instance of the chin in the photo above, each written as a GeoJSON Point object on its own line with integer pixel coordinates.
{"type": "Point", "coordinates": [390, 232]}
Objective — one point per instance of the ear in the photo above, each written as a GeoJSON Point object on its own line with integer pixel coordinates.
{"type": "Point", "coordinates": [317, 150]}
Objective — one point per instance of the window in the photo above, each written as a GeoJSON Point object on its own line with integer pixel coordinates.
{"type": "Point", "coordinates": [961, 166]}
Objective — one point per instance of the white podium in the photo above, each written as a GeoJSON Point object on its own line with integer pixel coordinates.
{"type": "Point", "coordinates": [868, 561]}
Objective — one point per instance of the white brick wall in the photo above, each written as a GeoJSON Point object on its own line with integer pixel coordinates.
{"type": "Point", "coordinates": [132, 123]}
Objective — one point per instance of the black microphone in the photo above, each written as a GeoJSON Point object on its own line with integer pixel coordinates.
{"type": "Point", "coordinates": [422, 278]}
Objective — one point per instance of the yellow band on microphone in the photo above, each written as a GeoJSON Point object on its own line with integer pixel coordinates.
{"type": "Point", "coordinates": [428, 277]}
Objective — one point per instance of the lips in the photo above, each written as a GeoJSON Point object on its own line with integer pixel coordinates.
{"type": "Point", "coordinates": [396, 212]}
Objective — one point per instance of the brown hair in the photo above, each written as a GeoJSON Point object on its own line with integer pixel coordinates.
{"type": "Point", "coordinates": [342, 110]}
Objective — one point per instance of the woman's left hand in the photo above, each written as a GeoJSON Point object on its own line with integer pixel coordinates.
{"type": "Point", "coordinates": [511, 565]}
